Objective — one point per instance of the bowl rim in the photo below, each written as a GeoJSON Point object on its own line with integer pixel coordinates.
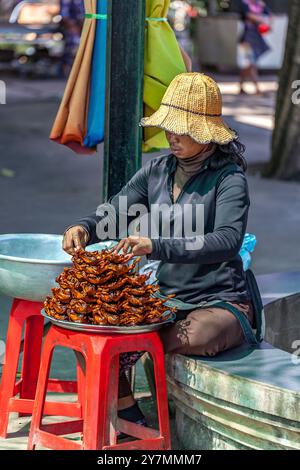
{"type": "Point", "coordinates": [33, 260]}
{"type": "Point", "coordinates": [36, 260]}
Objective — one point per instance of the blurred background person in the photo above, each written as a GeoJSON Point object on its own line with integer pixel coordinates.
{"type": "Point", "coordinates": [257, 20]}
{"type": "Point", "coordinates": [72, 12]}
{"type": "Point", "coordinates": [6, 7]}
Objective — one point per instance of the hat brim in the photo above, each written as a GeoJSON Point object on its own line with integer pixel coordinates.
{"type": "Point", "coordinates": [203, 129]}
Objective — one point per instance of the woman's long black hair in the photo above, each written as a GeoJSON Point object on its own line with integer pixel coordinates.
{"type": "Point", "coordinates": [233, 152]}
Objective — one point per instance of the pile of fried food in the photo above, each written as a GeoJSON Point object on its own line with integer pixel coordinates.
{"type": "Point", "coordinates": [101, 288]}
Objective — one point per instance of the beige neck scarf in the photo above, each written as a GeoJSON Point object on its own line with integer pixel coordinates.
{"type": "Point", "coordinates": [187, 167]}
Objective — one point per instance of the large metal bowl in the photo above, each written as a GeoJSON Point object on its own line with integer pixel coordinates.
{"type": "Point", "coordinates": [29, 264]}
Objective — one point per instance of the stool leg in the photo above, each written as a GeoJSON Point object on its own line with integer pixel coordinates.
{"type": "Point", "coordinates": [12, 352]}
{"type": "Point", "coordinates": [81, 374]}
{"type": "Point", "coordinates": [31, 356]}
{"type": "Point", "coordinates": [97, 379]}
{"type": "Point", "coordinates": [161, 393]}
{"type": "Point", "coordinates": [111, 411]}
{"type": "Point", "coordinates": [149, 372]}
{"type": "Point", "coordinates": [38, 407]}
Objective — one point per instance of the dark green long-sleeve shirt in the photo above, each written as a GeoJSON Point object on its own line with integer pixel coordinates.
{"type": "Point", "coordinates": [213, 268]}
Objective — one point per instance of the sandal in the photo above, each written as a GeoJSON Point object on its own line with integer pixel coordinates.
{"type": "Point", "coordinates": [132, 414]}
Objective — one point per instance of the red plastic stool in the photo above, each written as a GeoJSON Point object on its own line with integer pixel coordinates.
{"type": "Point", "coordinates": [29, 313]}
{"type": "Point", "coordinates": [100, 422]}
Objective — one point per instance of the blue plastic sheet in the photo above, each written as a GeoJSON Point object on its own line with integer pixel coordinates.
{"type": "Point", "coordinates": [96, 114]}
{"type": "Point", "coordinates": [247, 248]}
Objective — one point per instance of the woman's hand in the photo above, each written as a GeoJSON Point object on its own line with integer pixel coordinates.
{"type": "Point", "coordinates": [74, 239]}
{"type": "Point", "coordinates": [139, 246]}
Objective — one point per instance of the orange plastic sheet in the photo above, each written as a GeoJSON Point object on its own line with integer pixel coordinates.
{"type": "Point", "coordinates": [70, 124]}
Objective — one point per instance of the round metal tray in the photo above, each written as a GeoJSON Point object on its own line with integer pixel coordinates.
{"type": "Point", "coordinates": [110, 329]}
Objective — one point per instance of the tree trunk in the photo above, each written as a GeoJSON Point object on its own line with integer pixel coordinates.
{"type": "Point", "coordinates": [285, 160]}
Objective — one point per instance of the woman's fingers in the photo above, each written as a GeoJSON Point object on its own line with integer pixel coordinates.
{"type": "Point", "coordinates": [136, 250]}
{"type": "Point", "coordinates": [74, 239]}
{"type": "Point", "coordinates": [124, 245]}
{"type": "Point", "coordinates": [139, 246]}
{"type": "Point", "coordinates": [68, 243]}
{"type": "Point", "coordinates": [128, 243]}
{"type": "Point", "coordinates": [77, 242]}
{"type": "Point", "coordinates": [119, 246]}
{"type": "Point", "coordinates": [129, 257]}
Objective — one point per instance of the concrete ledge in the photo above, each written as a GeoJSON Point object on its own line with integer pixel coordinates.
{"type": "Point", "coordinates": [242, 399]}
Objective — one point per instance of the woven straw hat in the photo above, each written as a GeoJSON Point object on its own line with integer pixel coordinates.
{"type": "Point", "coordinates": [192, 105]}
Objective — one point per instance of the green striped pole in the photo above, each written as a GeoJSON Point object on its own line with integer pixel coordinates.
{"type": "Point", "coordinates": [124, 93]}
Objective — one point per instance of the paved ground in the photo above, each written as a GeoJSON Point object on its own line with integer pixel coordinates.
{"type": "Point", "coordinates": [44, 186]}
{"type": "Point", "coordinates": [17, 437]}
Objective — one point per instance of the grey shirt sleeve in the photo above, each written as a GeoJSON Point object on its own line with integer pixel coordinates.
{"type": "Point", "coordinates": [224, 243]}
{"type": "Point", "coordinates": [112, 215]}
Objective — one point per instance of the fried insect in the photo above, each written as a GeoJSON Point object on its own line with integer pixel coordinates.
{"type": "Point", "coordinates": [141, 301]}
{"type": "Point", "coordinates": [75, 316]}
{"type": "Point", "coordinates": [125, 307]}
{"type": "Point", "coordinates": [62, 279]}
{"type": "Point", "coordinates": [57, 316]}
{"type": "Point", "coordinates": [80, 295]}
{"type": "Point", "coordinates": [84, 257]}
{"type": "Point", "coordinates": [54, 308]}
{"type": "Point", "coordinates": [107, 307]}
{"type": "Point", "coordinates": [94, 257]}
{"type": "Point", "coordinates": [98, 317]}
{"type": "Point", "coordinates": [64, 295]}
{"type": "Point", "coordinates": [138, 280]}
{"type": "Point", "coordinates": [113, 319]}
{"type": "Point", "coordinates": [130, 319]}
{"type": "Point", "coordinates": [143, 290]}
{"type": "Point", "coordinates": [81, 275]}
{"type": "Point", "coordinates": [59, 307]}
{"type": "Point", "coordinates": [87, 293]}
{"type": "Point", "coordinates": [116, 284]}
{"type": "Point", "coordinates": [80, 306]}
{"type": "Point", "coordinates": [99, 320]}
{"type": "Point", "coordinates": [96, 270]}
{"type": "Point", "coordinates": [67, 279]}
{"type": "Point", "coordinates": [111, 297]}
